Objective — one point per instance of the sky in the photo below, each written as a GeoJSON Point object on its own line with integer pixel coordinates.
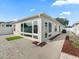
{"type": "Point", "coordinates": [12, 10]}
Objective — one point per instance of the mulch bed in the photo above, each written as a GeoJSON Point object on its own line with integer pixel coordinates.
{"type": "Point", "coordinates": [42, 44]}
{"type": "Point", "coordinates": [35, 42]}
{"type": "Point", "coordinates": [68, 48]}
{"type": "Point", "coordinates": [39, 44]}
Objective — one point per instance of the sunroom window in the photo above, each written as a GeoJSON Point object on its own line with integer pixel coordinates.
{"type": "Point", "coordinates": [50, 27]}
{"type": "Point", "coordinates": [35, 30]}
{"type": "Point", "coordinates": [45, 35]}
{"type": "Point", "coordinates": [21, 27]}
{"type": "Point", "coordinates": [59, 29]}
{"type": "Point", "coordinates": [55, 28]}
{"type": "Point", "coordinates": [28, 27]}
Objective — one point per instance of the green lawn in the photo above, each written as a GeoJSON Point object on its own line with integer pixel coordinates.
{"type": "Point", "coordinates": [13, 38]}
{"type": "Point", "coordinates": [75, 44]}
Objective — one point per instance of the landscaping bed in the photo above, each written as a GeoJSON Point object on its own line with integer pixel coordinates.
{"type": "Point", "coordinates": [71, 47]}
{"type": "Point", "coordinates": [13, 38]}
{"type": "Point", "coordinates": [39, 44]}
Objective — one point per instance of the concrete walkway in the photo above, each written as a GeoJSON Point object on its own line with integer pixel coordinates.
{"type": "Point", "coordinates": [24, 49]}
{"type": "Point", "coordinates": [67, 56]}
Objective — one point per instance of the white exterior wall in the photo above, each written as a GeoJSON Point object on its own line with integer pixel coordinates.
{"type": "Point", "coordinates": [6, 30]}
{"type": "Point", "coordinates": [77, 32]}
{"type": "Point", "coordinates": [75, 29]}
{"type": "Point", "coordinates": [62, 27]}
{"type": "Point", "coordinates": [53, 33]}
{"type": "Point", "coordinates": [18, 29]}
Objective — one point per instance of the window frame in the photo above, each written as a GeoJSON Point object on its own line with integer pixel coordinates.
{"type": "Point", "coordinates": [55, 28]}
{"type": "Point", "coordinates": [22, 28]}
{"type": "Point", "coordinates": [32, 33]}
{"type": "Point", "coordinates": [35, 32]}
{"type": "Point", "coordinates": [28, 29]}
{"type": "Point", "coordinates": [50, 27]}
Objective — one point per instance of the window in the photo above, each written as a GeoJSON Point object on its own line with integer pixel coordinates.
{"type": "Point", "coordinates": [45, 24]}
{"type": "Point", "coordinates": [28, 35]}
{"type": "Point", "coordinates": [8, 25]}
{"type": "Point", "coordinates": [21, 27]}
{"type": "Point", "coordinates": [2, 25]}
{"type": "Point", "coordinates": [28, 27]}
{"type": "Point", "coordinates": [50, 27]}
{"type": "Point", "coordinates": [59, 29]}
{"type": "Point", "coordinates": [55, 28]}
{"type": "Point", "coordinates": [49, 35]}
{"type": "Point", "coordinates": [45, 35]}
{"type": "Point", "coordinates": [35, 27]}
{"type": "Point", "coordinates": [35, 36]}
{"type": "Point", "coordinates": [46, 29]}
{"type": "Point", "coordinates": [14, 27]}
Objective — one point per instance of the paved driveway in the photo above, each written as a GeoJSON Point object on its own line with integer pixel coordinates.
{"type": "Point", "coordinates": [24, 49]}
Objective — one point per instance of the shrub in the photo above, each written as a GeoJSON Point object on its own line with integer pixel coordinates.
{"type": "Point", "coordinates": [75, 44]}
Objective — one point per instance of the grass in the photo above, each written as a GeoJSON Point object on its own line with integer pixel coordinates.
{"type": "Point", "coordinates": [75, 44]}
{"type": "Point", "coordinates": [13, 38]}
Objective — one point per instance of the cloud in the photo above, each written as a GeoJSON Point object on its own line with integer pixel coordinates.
{"type": "Point", "coordinates": [65, 13]}
{"type": "Point", "coordinates": [64, 2]}
{"type": "Point", "coordinates": [31, 10]}
{"type": "Point", "coordinates": [62, 17]}
{"type": "Point", "coordinates": [15, 19]}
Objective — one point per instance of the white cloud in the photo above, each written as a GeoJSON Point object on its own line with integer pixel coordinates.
{"type": "Point", "coordinates": [58, 3]}
{"type": "Point", "coordinates": [15, 19]}
{"type": "Point", "coordinates": [62, 17]}
{"type": "Point", "coordinates": [63, 2]}
{"type": "Point", "coordinates": [65, 13]}
{"type": "Point", "coordinates": [31, 10]}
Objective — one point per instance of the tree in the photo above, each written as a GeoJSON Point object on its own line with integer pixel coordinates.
{"type": "Point", "coordinates": [63, 21]}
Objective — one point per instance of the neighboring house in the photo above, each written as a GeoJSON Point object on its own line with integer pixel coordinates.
{"type": "Point", "coordinates": [39, 27]}
{"type": "Point", "coordinates": [6, 28]}
{"type": "Point", "coordinates": [75, 28]}
{"type": "Point", "coordinates": [68, 28]}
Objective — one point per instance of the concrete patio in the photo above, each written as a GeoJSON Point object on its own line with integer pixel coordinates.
{"type": "Point", "coordinates": [24, 49]}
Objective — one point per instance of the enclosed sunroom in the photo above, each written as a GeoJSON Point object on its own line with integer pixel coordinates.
{"type": "Point", "coordinates": [39, 27]}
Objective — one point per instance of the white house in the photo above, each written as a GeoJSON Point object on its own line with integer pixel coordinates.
{"type": "Point", "coordinates": [68, 28]}
{"type": "Point", "coordinates": [75, 28]}
{"type": "Point", "coordinates": [40, 27]}
{"type": "Point", "coordinates": [6, 28]}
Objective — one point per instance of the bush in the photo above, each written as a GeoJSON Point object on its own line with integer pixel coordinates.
{"type": "Point", "coordinates": [75, 44]}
